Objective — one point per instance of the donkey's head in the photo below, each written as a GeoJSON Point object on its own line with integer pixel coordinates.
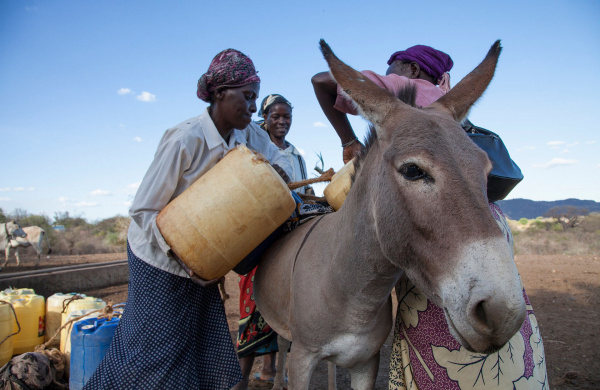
{"type": "Point", "coordinates": [13, 230]}
{"type": "Point", "coordinates": [422, 183]}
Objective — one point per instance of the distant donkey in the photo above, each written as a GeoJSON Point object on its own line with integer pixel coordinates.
{"type": "Point", "coordinates": [34, 237]}
{"type": "Point", "coordinates": [417, 207]}
{"type": "Point", "coordinates": [8, 231]}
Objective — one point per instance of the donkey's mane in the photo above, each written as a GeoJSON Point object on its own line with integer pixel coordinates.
{"type": "Point", "coordinates": [407, 95]}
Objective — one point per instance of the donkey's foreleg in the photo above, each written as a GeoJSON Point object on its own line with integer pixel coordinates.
{"type": "Point", "coordinates": [6, 254]}
{"type": "Point", "coordinates": [364, 374]}
{"type": "Point", "coordinates": [284, 346]}
{"type": "Point", "coordinates": [302, 365]}
{"type": "Point", "coordinates": [331, 376]}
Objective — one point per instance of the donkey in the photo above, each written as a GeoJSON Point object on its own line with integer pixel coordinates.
{"type": "Point", "coordinates": [35, 238]}
{"type": "Point", "coordinates": [418, 206]}
{"type": "Point", "coordinates": [8, 231]}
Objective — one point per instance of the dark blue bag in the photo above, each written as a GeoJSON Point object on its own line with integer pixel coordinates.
{"type": "Point", "coordinates": [505, 174]}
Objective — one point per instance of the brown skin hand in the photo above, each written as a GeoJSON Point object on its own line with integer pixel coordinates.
{"type": "Point", "coordinates": [326, 91]}
{"type": "Point", "coordinates": [193, 276]}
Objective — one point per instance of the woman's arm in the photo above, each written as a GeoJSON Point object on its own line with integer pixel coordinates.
{"type": "Point", "coordinates": [156, 191]}
{"type": "Point", "coordinates": [326, 91]}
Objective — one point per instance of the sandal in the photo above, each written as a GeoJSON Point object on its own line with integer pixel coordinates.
{"type": "Point", "coordinates": [257, 376]}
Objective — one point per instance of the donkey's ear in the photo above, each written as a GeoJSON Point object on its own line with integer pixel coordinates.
{"type": "Point", "coordinates": [460, 98]}
{"type": "Point", "coordinates": [374, 103]}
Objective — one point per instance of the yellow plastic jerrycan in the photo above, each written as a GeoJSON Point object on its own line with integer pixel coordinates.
{"type": "Point", "coordinates": [7, 319]}
{"type": "Point", "coordinates": [13, 292]}
{"type": "Point", "coordinates": [78, 304]}
{"type": "Point", "coordinates": [226, 213]}
{"type": "Point", "coordinates": [337, 190]}
{"type": "Point", "coordinates": [54, 308]}
{"type": "Point", "coordinates": [31, 313]}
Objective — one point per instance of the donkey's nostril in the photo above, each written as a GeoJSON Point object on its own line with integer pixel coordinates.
{"type": "Point", "coordinates": [480, 314]}
{"type": "Point", "coordinates": [485, 317]}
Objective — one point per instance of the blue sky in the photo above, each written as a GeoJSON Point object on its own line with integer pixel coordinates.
{"type": "Point", "coordinates": [87, 88]}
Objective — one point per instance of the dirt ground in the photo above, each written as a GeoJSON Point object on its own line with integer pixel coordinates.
{"type": "Point", "coordinates": [564, 291]}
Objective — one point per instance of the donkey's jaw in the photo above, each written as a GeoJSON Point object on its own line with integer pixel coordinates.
{"type": "Point", "coordinates": [483, 299]}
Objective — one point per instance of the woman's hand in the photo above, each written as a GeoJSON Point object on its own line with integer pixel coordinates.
{"type": "Point", "coordinates": [195, 278]}
{"type": "Point", "coordinates": [355, 149]}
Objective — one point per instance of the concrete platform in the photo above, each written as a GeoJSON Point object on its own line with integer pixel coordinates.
{"type": "Point", "coordinates": [67, 279]}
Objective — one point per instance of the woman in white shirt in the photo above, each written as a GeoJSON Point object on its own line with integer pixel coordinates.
{"type": "Point", "coordinates": [276, 112]}
{"type": "Point", "coordinates": [174, 333]}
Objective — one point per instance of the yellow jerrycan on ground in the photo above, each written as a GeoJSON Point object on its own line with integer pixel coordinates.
{"type": "Point", "coordinates": [226, 213]}
{"type": "Point", "coordinates": [337, 190]}
{"type": "Point", "coordinates": [7, 319]}
{"type": "Point", "coordinates": [84, 303]}
{"type": "Point", "coordinates": [12, 292]}
{"type": "Point", "coordinates": [54, 308]}
{"type": "Point", "coordinates": [31, 313]}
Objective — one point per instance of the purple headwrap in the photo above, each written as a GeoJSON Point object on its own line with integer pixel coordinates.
{"type": "Point", "coordinates": [230, 68]}
{"type": "Point", "coordinates": [432, 61]}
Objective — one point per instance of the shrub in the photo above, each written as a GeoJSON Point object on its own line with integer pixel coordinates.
{"type": "Point", "coordinates": [523, 221]}
{"type": "Point", "coordinates": [557, 227]}
{"type": "Point", "coordinates": [591, 223]}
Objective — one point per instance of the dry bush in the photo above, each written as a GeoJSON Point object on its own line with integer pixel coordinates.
{"type": "Point", "coordinates": [82, 241]}
{"type": "Point", "coordinates": [540, 237]}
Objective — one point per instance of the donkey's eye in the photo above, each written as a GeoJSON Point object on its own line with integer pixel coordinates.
{"type": "Point", "coordinates": [412, 172]}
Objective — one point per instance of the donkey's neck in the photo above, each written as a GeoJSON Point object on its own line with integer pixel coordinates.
{"type": "Point", "coordinates": [357, 259]}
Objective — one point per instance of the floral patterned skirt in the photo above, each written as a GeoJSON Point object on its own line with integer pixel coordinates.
{"type": "Point", "coordinates": [255, 336]}
{"type": "Point", "coordinates": [426, 356]}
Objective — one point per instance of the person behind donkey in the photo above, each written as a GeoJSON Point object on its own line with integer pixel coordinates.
{"type": "Point", "coordinates": [255, 336]}
{"type": "Point", "coordinates": [174, 333]}
{"type": "Point", "coordinates": [422, 66]}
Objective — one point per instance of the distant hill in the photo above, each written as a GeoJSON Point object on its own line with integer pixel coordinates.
{"type": "Point", "coordinates": [525, 208]}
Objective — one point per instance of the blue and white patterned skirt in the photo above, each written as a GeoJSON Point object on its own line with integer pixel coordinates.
{"type": "Point", "coordinates": [173, 335]}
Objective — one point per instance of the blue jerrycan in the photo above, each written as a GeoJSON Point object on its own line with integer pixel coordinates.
{"type": "Point", "coordinates": [90, 339]}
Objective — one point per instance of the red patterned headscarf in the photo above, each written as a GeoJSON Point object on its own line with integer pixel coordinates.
{"type": "Point", "coordinates": [229, 69]}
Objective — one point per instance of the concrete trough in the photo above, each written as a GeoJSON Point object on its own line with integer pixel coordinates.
{"type": "Point", "coordinates": [67, 279]}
